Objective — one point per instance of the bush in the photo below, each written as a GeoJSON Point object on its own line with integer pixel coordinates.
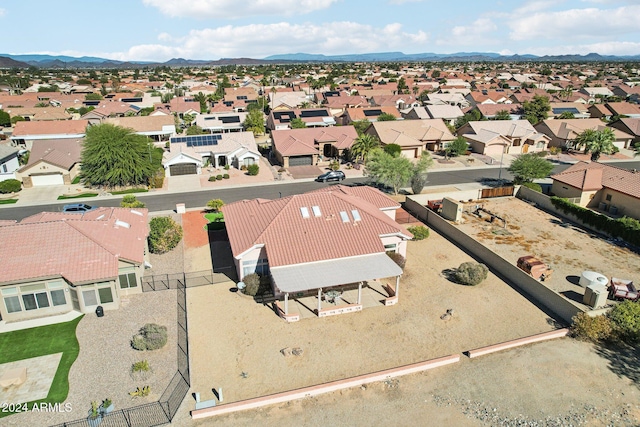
{"type": "Point", "coordinates": [10, 186]}
{"type": "Point", "coordinates": [150, 337]}
{"type": "Point", "coordinates": [420, 232]}
{"type": "Point", "coordinates": [243, 167]}
{"type": "Point", "coordinates": [252, 284]}
{"type": "Point", "coordinates": [533, 185]}
{"type": "Point", "coordinates": [226, 167]}
{"type": "Point", "coordinates": [156, 181]}
{"type": "Point", "coordinates": [594, 329]}
{"type": "Point", "coordinates": [225, 176]}
{"type": "Point", "coordinates": [218, 177]}
{"type": "Point", "coordinates": [253, 169]}
{"type": "Point", "coordinates": [555, 150]}
{"type": "Point", "coordinates": [334, 165]}
{"type": "Point", "coordinates": [398, 259]}
{"type": "Point", "coordinates": [471, 273]}
{"type": "Point", "coordinates": [393, 149]}
{"type": "Point", "coordinates": [215, 205]}
{"type": "Point", "coordinates": [141, 366]}
{"type": "Point", "coordinates": [212, 178]}
{"type": "Point", "coordinates": [130, 201]}
{"type": "Point", "coordinates": [625, 318]}
{"type": "Point", "coordinates": [164, 234]}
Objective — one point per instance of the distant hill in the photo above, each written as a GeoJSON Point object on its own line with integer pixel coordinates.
{"type": "Point", "coordinates": [61, 61]}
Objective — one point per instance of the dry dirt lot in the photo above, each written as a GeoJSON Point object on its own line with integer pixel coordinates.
{"type": "Point", "coordinates": [569, 249]}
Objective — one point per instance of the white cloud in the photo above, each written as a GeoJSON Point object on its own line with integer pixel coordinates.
{"type": "Point", "coordinates": [2, 12]}
{"type": "Point", "coordinates": [261, 40]}
{"type": "Point", "coordinates": [572, 23]}
{"type": "Point", "coordinates": [404, 1]}
{"type": "Point", "coordinates": [236, 8]}
{"type": "Point", "coordinates": [478, 27]}
{"type": "Point", "coordinates": [603, 48]}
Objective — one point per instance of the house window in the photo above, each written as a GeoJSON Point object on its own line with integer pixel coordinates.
{"type": "Point", "coordinates": [34, 296]}
{"type": "Point", "coordinates": [4, 168]}
{"type": "Point", "coordinates": [11, 300]}
{"type": "Point", "coordinates": [392, 247]}
{"type": "Point", "coordinates": [58, 298]}
{"type": "Point", "coordinates": [105, 295]}
{"type": "Point", "coordinates": [247, 161]}
{"type": "Point", "coordinates": [127, 278]}
{"type": "Point", "coordinates": [89, 297]}
{"type": "Point", "coordinates": [260, 267]}
{"type": "Point", "coordinates": [608, 197]}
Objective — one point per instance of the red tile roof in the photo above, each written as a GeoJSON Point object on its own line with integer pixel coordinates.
{"type": "Point", "coordinates": [293, 142]}
{"type": "Point", "coordinates": [64, 127]}
{"type": "Point", "coordinates": [289, 238]}
{"type": "Point", "coordinates": [79, 247]}
{"type": "Point", "coordinates": [594, 176]}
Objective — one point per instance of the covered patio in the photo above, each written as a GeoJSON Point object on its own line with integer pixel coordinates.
{"type": "Point", "coordinates": [337, 286]}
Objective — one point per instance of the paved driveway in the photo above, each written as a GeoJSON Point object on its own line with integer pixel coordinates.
{"type": "Point", "coordinates": [298, 172]}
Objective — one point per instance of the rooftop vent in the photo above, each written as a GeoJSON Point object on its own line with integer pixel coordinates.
{"type": "Point", "coordinates": [344, 216]}
{"type": "Point", "coordinates": [136, 212]}
{"type": "Point", "coordinates": [122, 224]}
{"type": "Point", "coordinates": [316, 211]}
{"type": "Point", "coordinates": [304, 211]}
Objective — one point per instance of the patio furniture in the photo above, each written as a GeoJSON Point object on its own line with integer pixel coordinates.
{"type": "Point", "coordinates": [331, 296]}
{"type": "Point", "coordinates": [16, 376]}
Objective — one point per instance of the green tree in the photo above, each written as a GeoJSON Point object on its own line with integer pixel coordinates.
{"type": "Point", "coordinates": [363, 145]}
{"type": "Point", "coordinates": [502, 115]}
{"type": "Point", "coordinates": [528, 167]}
{"type": "Point", "coordinates": [195, 130]}
{"type": "Point", "coordinates": [596, 142]}
{"type": "Point", "coordinates": [361, 125]}
{"type": "Point", "coordinates": [394, 172]}
{"type": "Point", "coordinates": [402, 86]}
{"type": "Point", "coordinates": [254, 122]}
{"type": "Point", "coordinates": [115, 156]}
{"type": "Point", "coordinates": [472, 116]}
{"type": "Point", "coordinates": [93, 97]}
{"type": "Point", "coordinates": [419, 173]}
{"type": "Point", "coordinates": [130, 201]}
{"type": "Point", "coordinates": [5, 119]}
{"type": "Point", "coordinates": [164, 234]}
{"type": "Point", "coordinates": [566, 115]}
{"type": "Point", "coordinates": [386, 117]}
{"type": "Point", "coordinates": [393, 149]}
{"type": "Point", "coordinates": [626, 320]}
{"type": "Point", "coordinates": [297, 123]}
{"type": "Point", "coordinates": [215, 205]}
{"type": "Point", "coordinates": [457, 147]}
{"type": "Point", "coordinates": [202, 99]}
{"type": "Point", "coordinates": [537, 109]}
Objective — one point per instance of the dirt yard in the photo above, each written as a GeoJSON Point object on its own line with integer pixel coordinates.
{"type": "Point", "coordinates": [570, 250]}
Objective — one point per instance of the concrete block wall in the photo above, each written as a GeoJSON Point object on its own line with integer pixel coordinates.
{"type": "Point", "coordinates": [537, 292]}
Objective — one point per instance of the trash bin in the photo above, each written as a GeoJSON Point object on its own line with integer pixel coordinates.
{"type": "Point", "coordinates": [99, 311]}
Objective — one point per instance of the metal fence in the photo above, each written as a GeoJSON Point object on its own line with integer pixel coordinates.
{"type": "Point", "coordinates": [164, 410]}
{"type": "Point", "coordinates": [161, 282]}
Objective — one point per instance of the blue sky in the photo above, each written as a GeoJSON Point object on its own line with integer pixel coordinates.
{"type": "Point", "coordinates": [158, 30]}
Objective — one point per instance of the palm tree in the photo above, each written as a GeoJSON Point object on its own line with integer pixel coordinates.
{"type": "Point", "coordinates": [596, 142]}
{"type": "Point", "coordinates": [363, 145]}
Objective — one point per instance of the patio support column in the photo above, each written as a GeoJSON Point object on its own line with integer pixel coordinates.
{"type": "Point", "coordinates": [359, 292]}
{"type": "Point", "coordinates": [319, 300]}
{"type": "Point", "coordinates": [397, 285]}
{"type": "Point", "coordinates": [286, 303]}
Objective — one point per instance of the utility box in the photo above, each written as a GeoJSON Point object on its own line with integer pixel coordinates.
{"type": "Point", "coordinates": [595, 295]}
{"type": "Point", "coordinates": [452, 209]}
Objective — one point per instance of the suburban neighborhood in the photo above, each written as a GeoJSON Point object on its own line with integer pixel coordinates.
{"type": "Point", "coordinates": [443, 241]}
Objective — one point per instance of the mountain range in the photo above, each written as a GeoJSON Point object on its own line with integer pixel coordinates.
{"type": "Point", "coordinates": [61, 61]}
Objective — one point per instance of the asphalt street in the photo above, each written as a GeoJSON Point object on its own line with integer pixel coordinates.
{"type": "Point", "coordinates": [167, 201]}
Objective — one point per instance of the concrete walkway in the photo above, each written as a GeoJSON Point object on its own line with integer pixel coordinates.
{"type": "Point", "coordinates": [34, 323]}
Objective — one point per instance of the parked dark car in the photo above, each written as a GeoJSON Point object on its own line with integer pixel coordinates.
{"type": "Point", "coordinates": [331, 176]}
{"type": "Point", "coordinates": [78, 208]}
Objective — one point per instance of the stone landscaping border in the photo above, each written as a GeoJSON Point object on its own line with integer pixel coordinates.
{"type": "Point", "coordinates": [558, 333]}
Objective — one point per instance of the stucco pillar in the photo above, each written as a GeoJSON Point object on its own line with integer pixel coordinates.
{"type": "Point", "coordinates": [319, 300]}
{"type": "Point", "coordinates": [397, 286]}
{"type": "Point", "coordinates": [359, 292]}
{"type": "Point", "coordinates": [286, 303]}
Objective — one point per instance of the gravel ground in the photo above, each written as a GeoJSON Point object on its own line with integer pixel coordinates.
{"type": "Point", "coordinates": [102, 369]}
{"type": "Point", "coordinates": [172, 261]}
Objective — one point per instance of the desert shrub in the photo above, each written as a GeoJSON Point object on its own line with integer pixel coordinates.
{"type": "Point", "coordinates": [555, 150]}
{"type": "Point", "coordinates": [253, 169]}
{"type": "Point", "coordinates": [10, 186]}
{"type": "Point", "coordinates": [225, 176]}
{"type": "Point", "coordinates": [420, 232]}
{"type": "Point", "coordinates": [130, 201]}
{"type": "Point", "coordinates": [533, 185]}
{"type": "Point", "coordinates": [398, 259]}
{"type": "Point", "coordinates": [252, 284]}
{"type": "Point", "coordinates": [157, 180]}
{"type": "Point", "coordinates": [141, 366]}
{"type": "Point", "coordinates": [625, 318]}
{"type": "Point", "coordinates": [150, 337]}
{"type": "Point", "coordinates": [594, 329]}
{"type": "Point", "coordinates": [164, 234]}
{"type": "Point", "coordinates": [334, 165]}
{"type": "Point", "coordinates": [471, 273]}
{"type": "Point", "coordinates": [393, 149]}
{"type": "Point", "coordinates": [227, 167]}
{"type": "Point", "coordinates": [212, 178]}
{"type": "Point", "coordinates": [243, 167]}
{"type": "Point", "coordinates": [215, 205]}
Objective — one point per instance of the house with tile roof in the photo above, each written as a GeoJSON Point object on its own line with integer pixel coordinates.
{"type": "Point", "coordinates": [24, 133]}
{"type": "Point", "coordinates": [600, 187]}
{"type": "Point", "coordinates": [222, 122]}
{"type": "Point", "coordinates": [9, 162]}
{"type": "Point", "coordinates": [159, 128]}
{"type": "Point", "coordinates": [106, 109]}
{"type": "Point", "coordinates": [54, 263]}
{"type": "Point", "coordinates": [564, 131]}
{"type": "Point", "coordinates": [371, 114]}
{"type": "Point", "coordinates": [413, 136]}
{"type": "Point", "coordinates": [51, 162]}
{"type": "Point", "coordinates": [495, 137]}
{"type": "Point", "coordinates": [308, 245]}
{"type": "Point", "coordinates": [628, 126]}
{"type": "Point", "coordinates": [312, 117]}
{"type": "Point", "coordinates": [300, 147]}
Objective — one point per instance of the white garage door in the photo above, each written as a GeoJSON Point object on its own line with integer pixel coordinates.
{"type": "Point", "coordinates": [54, 179]}
{"type": "Point", "coordinates": [409, 153]}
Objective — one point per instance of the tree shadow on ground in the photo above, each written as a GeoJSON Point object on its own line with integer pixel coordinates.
{"type": "Point", "coordinates": [624, 360]}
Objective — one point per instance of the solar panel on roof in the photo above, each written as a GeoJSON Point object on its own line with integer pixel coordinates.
{"type": "Point", "coordinates": [131, 100]}
{"type": "Point", "coordinates": [314, 113]}
{"type": "Point", "coordinates": [197, 140]}
{"type": "Point", "coordinates": [230, 119]}
{"type": "Point", "coordinates": [369, 113]}
{"type": "Point", "coordinates": [91, 102]}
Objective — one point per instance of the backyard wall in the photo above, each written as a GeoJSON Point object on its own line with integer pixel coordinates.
{"type": "Point", "coordinates": [536, 292]}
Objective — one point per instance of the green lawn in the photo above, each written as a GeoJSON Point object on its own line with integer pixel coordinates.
{"type": "Point", "coordinates": [216, 221]}
{"type": "Point", "coordinates": [131, 190]}
{"type": "Point", "coordinates": [76, 180]}
{"type": "Point", "coordinates": [78, 196]}
{"type": "Point", "coordinates": [34, 342]}
{"type": "Point", "coordinates": [8, 201]}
